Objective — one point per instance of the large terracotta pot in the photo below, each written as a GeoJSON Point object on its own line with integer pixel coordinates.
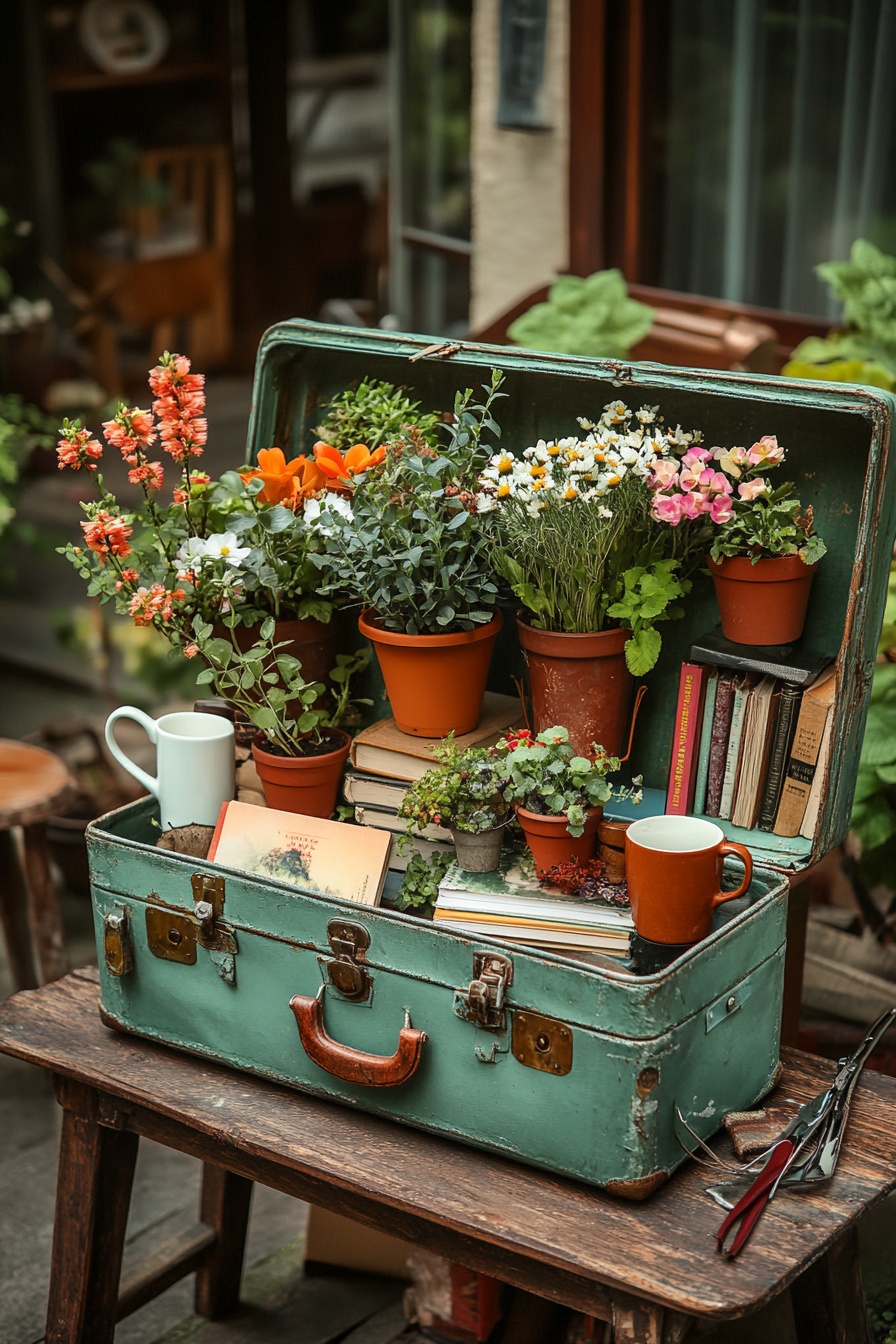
{"type": "Point", "coordinates": [580, 682]}
{"type": "Point", "coordinates": [550, 840]}
{"type": "Point", "coordinates": [763, 603]}
{"type": "Point", "coordinates": [306, 784]}
{"type": "Point", "coordinates": [435, 683]}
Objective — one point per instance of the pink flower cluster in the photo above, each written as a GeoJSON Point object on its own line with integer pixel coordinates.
{"type": "Point", "coordinates": [107, 534]}
{"type": "Point", "coordinates": [694, 487]}
{"type": "Point", "coordinates": [179, 406]}
{"type": "Point", "coordinates": [148, 603]}
{"type": "Point", "coordinates": [77, 449]}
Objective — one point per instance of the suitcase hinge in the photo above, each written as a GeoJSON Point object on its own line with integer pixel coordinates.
{"type": "Point", "coordinates": [484, 1000]}
{"type": "Point", "coordinates": [118, 948]}
{"type": "Point", "coordinates": [346, 971]}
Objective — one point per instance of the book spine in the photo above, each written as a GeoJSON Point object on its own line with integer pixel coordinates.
{"type": "Point", "coordinates": [709, 706]}
{"type": "Point", "coordinates": [801, 767]}
{"type": "Point", "coordinates": [785, 722]}
{"type": "Point", "coordinates": [732, 756]}
{"type": "Point", "coordinates": [718, 747]}
{"type": "Point", "coordinates": [685, 740]}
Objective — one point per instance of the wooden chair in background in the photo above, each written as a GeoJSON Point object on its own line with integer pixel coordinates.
{"type": "Point", "coordinates": [176, 285]}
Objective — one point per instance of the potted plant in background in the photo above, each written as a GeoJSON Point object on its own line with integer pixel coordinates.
{"type": "Point", "coordinates": [558, 793]}
{"type": "Point", "coordinates": [572, 534]}
{"type": "Point", "coordinates": [414, 556]}
{"type": "Point", "coordinates": [300, 749]}
{"type": "Point", "coordinates": [592, 316]}
{"type": "Point", "coordinates": [462, 793]}
{"type": "Point", "coordinates": [762, 543]}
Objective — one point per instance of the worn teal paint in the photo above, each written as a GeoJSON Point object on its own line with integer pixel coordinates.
{"type": "Point", "coordinates": [838, 441]}
{"type": "Point", "coordinates": [604, 1121]}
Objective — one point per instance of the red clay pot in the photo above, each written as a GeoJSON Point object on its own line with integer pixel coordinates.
{"type": "Point", "coordinates": [763, 603]}
{"type": "Point", "coordinates": [580, 682]}
{"type": "Point", "coordinates": [306, 784]}
{"type": "Point", "coordinates": [435, 683]}
{"type": "Point", "coordinates": [551, 842]}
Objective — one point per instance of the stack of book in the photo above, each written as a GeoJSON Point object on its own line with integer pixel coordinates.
{"type": "Point", "coordinates": [508, 904]}
{"type": "Point", "coordinates": [752, 737]}
{"type": "Point", "coordinates": [384, 762]}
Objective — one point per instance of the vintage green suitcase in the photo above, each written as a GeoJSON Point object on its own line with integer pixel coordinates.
{"type": "Point", "coordinates": [570, 1067]}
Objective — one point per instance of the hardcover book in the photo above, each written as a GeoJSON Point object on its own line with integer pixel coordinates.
{"type": "Point", "coordinates": [754, 753]}
{"type": "Point", "coordinates": [709, 706]}
{"type": "Point", "coordinates": [718, 746]}
{"type": "Point", "coordinates": [686, 738]}
{"type": "Point", "coordinates": [385, 750]}
{"type": "Point", "coordinates": [787, 662]}
{"type": "Point", "coordinates": [732, 756]}
{"type": "Point", "coordinates": [782, 736]}
{"type": "Point", "coordinates": [816, 706]}
{"type": "Point", "coordinates": [325, 858]}
{"type": "Point", "coordinates": [360, 787]}
{"type": "Point", "coordinates": [390, 821]}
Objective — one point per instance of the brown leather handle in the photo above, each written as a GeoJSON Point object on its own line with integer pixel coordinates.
{"type": "Point", "coordinates": [354, 1066]}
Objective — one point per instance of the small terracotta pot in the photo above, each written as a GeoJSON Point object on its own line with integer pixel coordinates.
{"type": "Point", "coordinates": [306, 784]}
{"type": "Point", "coordinates": [550, 841]}
{"type": "Point", "coordinates": [478, 852]}
{"type": "Point", "coordinates": [435, 683]}
{"type": "Point", "coordinates": [581, 681]}
{"type": "Point", "coordinates": [763, 603]}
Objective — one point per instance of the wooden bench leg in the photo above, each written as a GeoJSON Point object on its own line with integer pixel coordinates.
{"type": "Point", "coordinates": [46, 914]}
{"type": "Point", "coordinates": [14, 915]}
{"type": "Point", "coordinates": [639, 1322]}
{"type": "Point", "coordinates": [224, 1206]}
{"type": "Point", "coordinates": [829, 1298]}
{"type": "Point", "coordinates": [93, 1194]}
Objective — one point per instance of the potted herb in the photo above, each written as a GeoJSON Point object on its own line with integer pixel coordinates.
{"type": "Point", "coordinates": [762, 543]}
{"type": "Point", "coordinates": [558, 793]}
{"type": "Point", "coordinates": [462, 793]}
{"type": "Point", "coordinates": [299, 756]}
{"type": "Point", "coordinates": [573, 535]}
{"type": "Point", "coordinates": [414, 556]}
{"type": "Point", "coordinates": [239, 547]}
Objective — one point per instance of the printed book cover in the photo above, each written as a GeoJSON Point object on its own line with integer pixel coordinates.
{"type": "Point", "coordinates": [327, 858]}
{"type": "Point", "coordinates": [511, 892]}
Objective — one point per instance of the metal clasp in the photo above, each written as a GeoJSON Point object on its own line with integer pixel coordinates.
{"type": "Point", "coordinates": [118, 946]}
{"type": "Point", "coordinates": [348, 972]}
{"type": "Point", "coordinates": [483, 1002]}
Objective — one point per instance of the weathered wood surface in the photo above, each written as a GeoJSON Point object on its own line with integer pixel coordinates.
{"type": "Point", "coordinates": [564, 1241]}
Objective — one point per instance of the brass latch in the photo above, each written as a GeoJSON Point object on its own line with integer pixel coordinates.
{"type": "Point", "coordinates": [118, 949]}
{"type": "Point", "coordinates": [347, 971]}
{"type": "Point", "coordinates": [174, 935]}
{"type": "Point", "coordinates": [484, 1000]}
{"type": "Point", "coordinates": [542, 1043]}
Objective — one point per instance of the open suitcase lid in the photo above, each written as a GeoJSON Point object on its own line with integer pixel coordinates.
{"type": "Point", "coordinates": [838, 441]}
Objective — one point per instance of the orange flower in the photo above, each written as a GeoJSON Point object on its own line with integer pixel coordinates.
{"type": "Point", "coordinates": [339, 467]}
{"type": "Point", "coordinates": [285, 482]}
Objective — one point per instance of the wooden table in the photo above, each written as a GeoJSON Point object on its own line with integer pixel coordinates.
{"type": "Point", "coordinates": [649, 1268]}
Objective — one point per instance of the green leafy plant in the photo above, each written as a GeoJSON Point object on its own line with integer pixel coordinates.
{"type": "Point", "coordinates": [864, 349]}
{"type": "Point", "coordinates": [874, 804]}
{"type": "Point", "coordinates": [22, 429]}
{"type": "Point", "coordinates": [413, 551]}
{"type": "Point", "coordinates": [460, 792]}
{"type": "Point", "coordinates": [592, 316]}
{"type": "Point", "coordinates": [375, 413]}
{"type": "Point", "coordinates": [545, 774]}
{"type": "Point", "coordinates": [573, 533]}
{"type": "Point", "coordinates": [267, 685]}
{"type": "Point", "coordinates": [420, 885]}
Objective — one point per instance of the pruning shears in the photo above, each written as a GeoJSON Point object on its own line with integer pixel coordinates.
{"type": "Point", "coordinates": [804, 1153]}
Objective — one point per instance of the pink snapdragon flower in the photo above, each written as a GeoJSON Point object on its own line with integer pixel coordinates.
{"type": "Point", "coordinates": [664, 474]}
{"type": "Point", "coordinates": [694, 458]}
{"type": "Point", "coordinates": [731, 460]}
{"type": "Point", "coordinates": [753, 489]}
{"type": "Point", "coordinates": [767, 450]}
{"type": "Point", "coordinates": [77, 449]}
{"type": "Point", "coordinates": [720, 510]}
{"type": "Point", "coordinates": [667, 508]}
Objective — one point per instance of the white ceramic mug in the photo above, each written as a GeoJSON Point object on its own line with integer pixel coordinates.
{"type": "Point", "coordinates": [194, 763]}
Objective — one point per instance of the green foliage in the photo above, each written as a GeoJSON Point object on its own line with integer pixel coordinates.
{"type": "Point", "coordinates": [22, 429]}
{"type": "Point", "coordinates": [774, 524]}
{"type": "Point", "coordinates": [420, 886]}
{"type": "Point", "coordinates": [865, 350]}
{"type": "Point", "coordinates": [414, 552]}
{"type": "Point", "coordinates": [874, 805]}
{"type": "Point", "coordinates": [593, 317]}
{"type": "Point", "coordinates": [268, 687]}
{"type": "Point", "coordinates": [461, 792]}
{"type": "Point", "coordinates": [374, 413]}
{"type": "Point", "coordinates": [545, 774]}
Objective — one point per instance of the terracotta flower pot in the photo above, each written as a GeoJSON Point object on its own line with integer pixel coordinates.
{"type": "Point", "coordinates": [306, 784]}
{"type": "Point", "coordinates": [435, 683]}
{"type": "Point", "coordinates": [478, 852]}
{"type": "Point", "coordinates": [580, 681]}
{"type": "Point", "coordinates": [763, 603]}
{"type": "Point", "coordinates": [550, 841]}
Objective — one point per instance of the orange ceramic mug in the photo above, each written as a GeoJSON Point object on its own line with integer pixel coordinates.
{"type": "Point", "coordinates": [673, 867]}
